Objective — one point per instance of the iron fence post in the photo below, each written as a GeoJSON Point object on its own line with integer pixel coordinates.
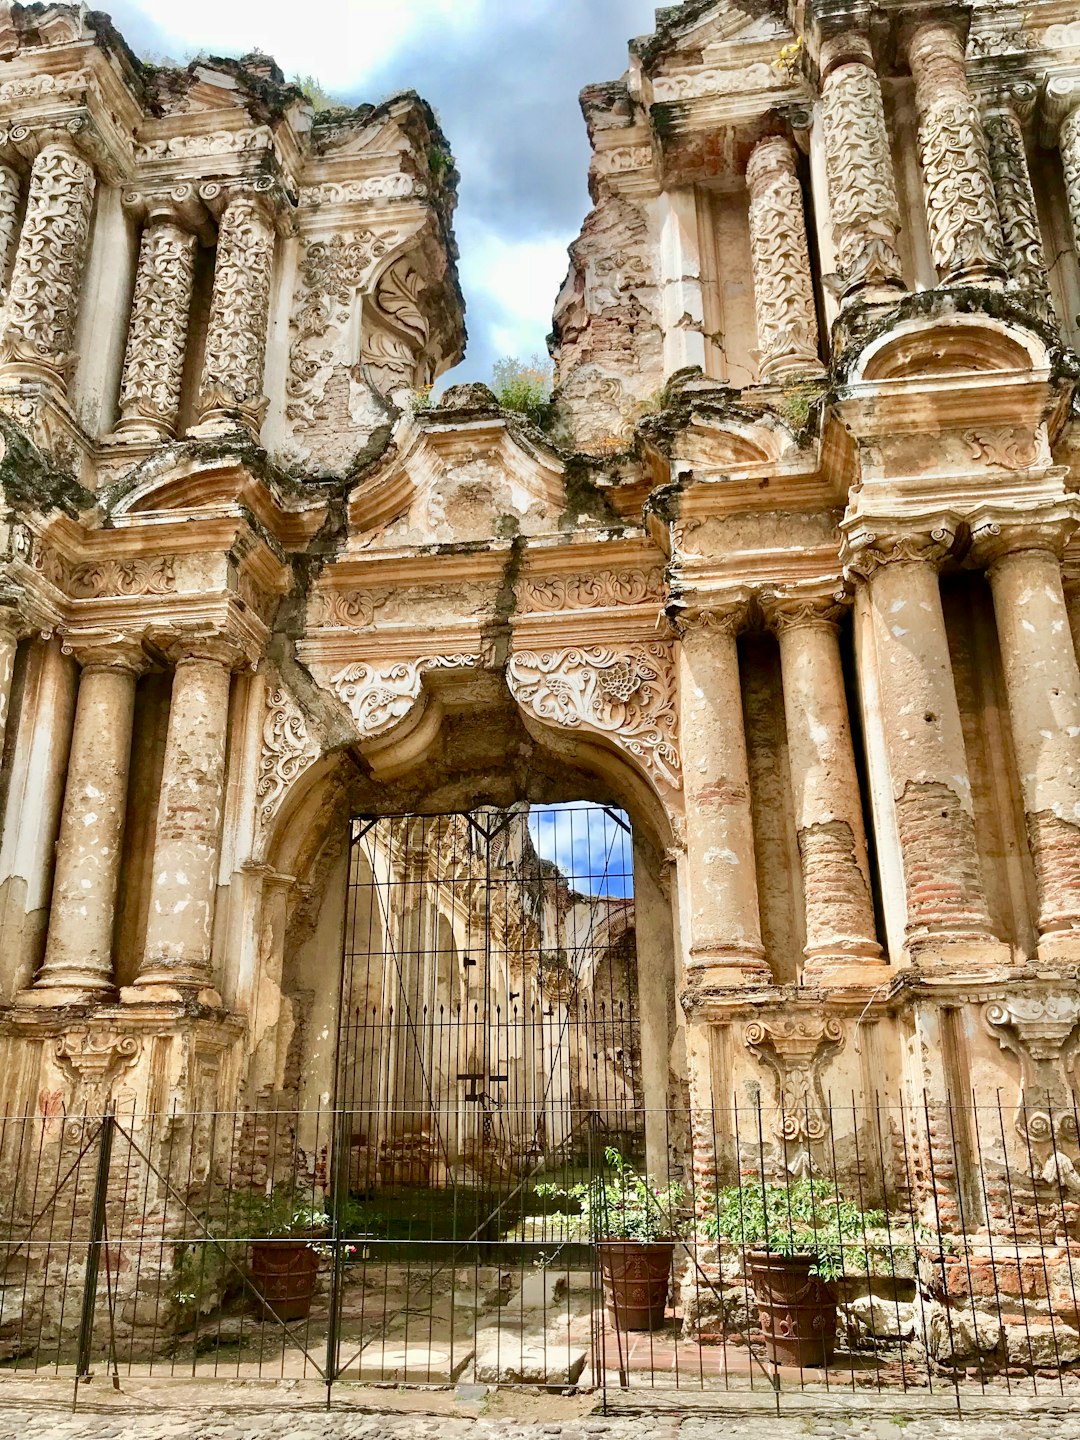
{"type": "Point", "coordinates": [93, 1248]}
{"type": "Point", "coordinates": [339, 1190]}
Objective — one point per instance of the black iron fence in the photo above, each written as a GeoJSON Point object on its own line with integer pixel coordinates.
{"type": "Point", "coordinates": [885, 1248]}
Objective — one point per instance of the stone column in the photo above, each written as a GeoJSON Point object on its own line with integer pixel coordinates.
{"type": "Point", "coordinates": [10, 190]}
{"type": "Point", "coordinates": [32, 810]}
{"type": "Point", "coordinates": [783, 289]}
{"type": "Point", "coordinates": [1025, 262]}
{"type": "Point", "coordinates": [1064, 94]}
{"type": "Point", "coordinates": [232, 377]}
{"type": "Point", "coordinates": [1042, 682]}
{"type": "Point", "coordinates": [864, 211]}
{"type": "Point", "coordinates": [11, 632]}
{"type": "Point", "coordinates": [924, 744]}
{"type": "Point", "coordinates": [840, 924]}
{"type": "Point", "coordinates": [79, 946]}
{"type": "Point", "coordinates": [961, 211]}
{"type": "Point", "coordinates": [43, 297]}
{"type": "Point", "coordinates": [723, 936]}
{"type": "Point", "coordinates": [157, 335]}
{"type": "Point", "coordinates": [176, 960]}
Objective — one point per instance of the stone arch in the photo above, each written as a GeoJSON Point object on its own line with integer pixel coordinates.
{"type": "Point", "coordinates": [928, 348]}
{"type": "Point", "coordinates": [306, 859]}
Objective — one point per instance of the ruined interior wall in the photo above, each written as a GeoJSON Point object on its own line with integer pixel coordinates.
{"type": "Point", "coordinates": [776, 846]}
{"type": "Point", "coordinates": [1004, 855]}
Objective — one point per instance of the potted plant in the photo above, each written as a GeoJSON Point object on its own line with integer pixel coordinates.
{"type": "Point", "coordinates": [796, 1239]}
{"type": "Point", "coordinates": [633, 1223]}
{"type": "Point", "coordinates": [284, 1226]}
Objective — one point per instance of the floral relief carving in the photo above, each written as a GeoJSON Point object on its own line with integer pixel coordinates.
{"type": "Point", "coordinates": [1011, 447]}
{"type": "Point", "coordinates": [44, 293]}
{"type": "Point", "coordinates": [961, 210]}
{"type": "Point", "coordinates": [236, 335]}
{"type": "Point", "coordinates": [331, 272]}
{"type": "Point", "coordinates": [795, 1049]}
{"type": "Point", "coordinates": [288, 749]}
{"type": "Point", "coordinates": [157, 337]}
{"type": "Point", "coordinates": [10, 188]}
{"type": "Point", "coordinates": [1024, 258]}
{"type": "Point", "coordinates": [380, 696]}
{"type": "Point", "coordinates": [94, 578]}
{"type": "Point", "coordinates": [346, 609]}
{"type": "Point", "coordinates": [399, 330]}
{"type": "Point", "coordinates": [862, 192]}
{"type": "Point", "coordinates": [588, 592]}
{"type": "Point", "coordinates": [783, 290]}
{"type": "Point", "coordinates": [627, 695]}
{"type": "Point", "coordinates": [1069, 142]}
{"type": "Point", "coordinates": [375, 187]}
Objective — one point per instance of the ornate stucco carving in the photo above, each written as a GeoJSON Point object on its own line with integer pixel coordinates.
{"type": "Point", "coordinates": [288, 749]}
{"type": "Point", "coordinates": [795, 1048]}
{"type": "Point", "coordinates": [10, 189]}
{"type": "Point", "coordinates": [1011, 447]}
{"type": "Point", "coordinates": [625, 694]}
{"type": "Point", "coordinates": [332, 274]}
{"type": "Point", "coordinates": [599, 589]}
{"type": "Point", "coordinates": [862, 192]}
{"type": "Point", "coordinates": [381, 696]}
{"type": "Point", "coordinates": [1024, 258]}
{"type": "Point", "coordinates": [1041, 1031]}
{"type": "Point", "coordinates": [92, 1060]}
{"type": "Point", "coordinates": [108, 577]}
{"type": "Point", "coordinates": [157, 335]}
{"type": "Point", "coordinates": [45, 285]}
{"type": "Point", "coordinates": [961, 211]}
{"type": "Point", "coordinates": [232, 376]}
{"type": "Point", "coordinates": [783, 288]}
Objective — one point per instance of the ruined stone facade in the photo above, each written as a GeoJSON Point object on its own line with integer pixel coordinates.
{"type": "Point", "coordinates": [792, 576]}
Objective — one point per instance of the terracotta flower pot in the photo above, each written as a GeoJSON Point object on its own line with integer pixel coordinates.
{"type": "Point", "coordinates": [284, 1273]}
{"type": "Point", "coordinates": [797, 1310]}
{"type": "Point", "coordinates": [637, 1276]}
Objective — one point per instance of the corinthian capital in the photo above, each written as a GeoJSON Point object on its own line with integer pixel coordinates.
{"type": "Point", "coordinates": [929, 542]}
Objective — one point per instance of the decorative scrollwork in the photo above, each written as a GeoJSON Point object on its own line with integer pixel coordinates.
{"type": "Point", "coordinates": [626, 695]}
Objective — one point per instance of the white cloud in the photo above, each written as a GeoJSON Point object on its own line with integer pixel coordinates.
{"type": "Point", "coordinates": [339, 43]}
{"type": "Point", "coordinates": [519, 278]}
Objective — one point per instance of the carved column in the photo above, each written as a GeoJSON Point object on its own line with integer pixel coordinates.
{"type": "Point", "coordinates": [723, 940]}
{"type": "Point", "coordinates": [78, 951]}
{"type": "Point", "coordinates": [1025, 261]}
{"type": "Point", "coordinates": [825, 788]}
{"type": "Point", "coordinates": [961, 211]}
{"type": "Point", "coordinates": [11, 632]}
{"type": "Point", "coordinates": [783, 289]}
{"type": "Point", "coordinates": [10, 190]}
{"type": "Point", "coordinates": [232, 375]}
{"type": "Point", "coordinates": [187, 843]}
{"type": "Point", "coordinates": [1063, 95]}
{"type": "Point", "coordinates": [43, 298]}
{"type": "Point", "coordinates": [1042, 682]}
{"type": "Point", "coordinates": [157, 335]}
{"type": "Point", "coordinates": [864, 210]}
{"type": "Point", "coordinates": [924, 743]}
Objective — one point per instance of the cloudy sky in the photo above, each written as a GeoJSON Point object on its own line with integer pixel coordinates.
{"type": "Point", "coordinates": [504, 77]}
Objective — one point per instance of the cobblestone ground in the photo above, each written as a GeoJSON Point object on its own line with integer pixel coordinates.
{"type": "Point", "coordinates": [1015, 1419]}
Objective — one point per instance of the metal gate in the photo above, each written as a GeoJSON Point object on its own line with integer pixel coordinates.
{"type": "Point", "coordinates": [489, 1045]}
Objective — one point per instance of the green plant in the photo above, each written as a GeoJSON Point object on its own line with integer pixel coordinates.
{"type": "Point", "coordinates": [623, 1205]}
{"type": "Point", "coordinates": [210, 1265]}
{"type": "Point", "coordinates": [318, 98]}
{"type": "Point", "coordinates": [522, 386]}
{"type": "Point", "coordinates": [805, 1217]}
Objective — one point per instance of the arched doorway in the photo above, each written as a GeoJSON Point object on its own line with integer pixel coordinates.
{"type": "Point", "coordinates": [489, 1021]}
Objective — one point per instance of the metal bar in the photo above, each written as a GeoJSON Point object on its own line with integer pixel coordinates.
{"type": "Point", "coordinates": [93, 1251]}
